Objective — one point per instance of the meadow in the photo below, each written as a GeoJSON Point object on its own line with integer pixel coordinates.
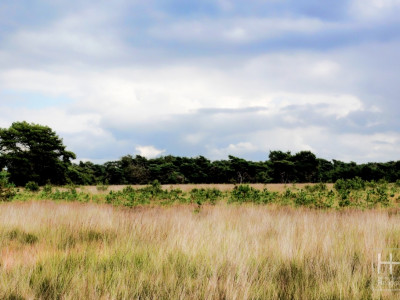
{"type": "Point", "coordinates": [202, 243]}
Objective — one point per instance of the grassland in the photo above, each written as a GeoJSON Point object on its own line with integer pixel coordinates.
{"type": "Point", "coordinates": [353, 193]}
{"type": "Point", "coordinates": [273, 187]}
{"type": "Point", "coordinates": [198, 241]}
{"type": "Point", "coordinates": [72, 250]}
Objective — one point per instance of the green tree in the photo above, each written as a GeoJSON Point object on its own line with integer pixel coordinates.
{"type": "Point", "coordinates": [135, 169]}
{"type": "Point", "coordinates": [325, 168]}
{"type": "Point", "coordinates": [306, 166]}
{"type": "Point", "coordinates": [33, 152]}
{"type": "Point", "coordinates": [282, 165]}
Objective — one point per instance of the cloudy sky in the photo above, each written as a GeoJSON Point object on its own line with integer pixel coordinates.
{"type": "Point", "coordinates": [206, 77]}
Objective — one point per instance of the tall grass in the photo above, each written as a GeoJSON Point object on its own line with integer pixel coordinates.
{"type": "Point", "coordinates": [90, 251]}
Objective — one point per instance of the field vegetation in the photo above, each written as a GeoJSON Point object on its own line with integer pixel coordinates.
{"type": "Point", "coordinates": [308, 241]}
{"type": "Point", "coordinates": [354, 193]}
{"type": "Point", "coordinates": [63, 250]}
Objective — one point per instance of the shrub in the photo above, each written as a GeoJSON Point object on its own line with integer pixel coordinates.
{"type": "Point", "coordinates": [349, 184]}
{"type": "Point", "coordinates": [318, 187]}
{"type": "Point", "coordinates": [245, 193]}
{"type": "Point", "coordinates": [129, 197]}
{"type": "Point", "coordinates": [7, 190]}
{"type": "Point", "coordinates": [344, 199]}
{"type": "Point", "coordinates": [32, 186]}
{"type": "Point", "coordinates": [154, 189]}
{"type": "Point", "coordinates": [47, 189]}
{"type": "Point", "coordinates": [304, 198]}
{"type": "Point", "coordinates": [203, 195]}
{"type": "Point", "coordinates": [382, 195]}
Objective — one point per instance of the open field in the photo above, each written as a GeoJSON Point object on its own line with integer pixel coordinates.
{"type": "Point", "coordinates": [73, 250]}
{"type": "Point", "coordinates": [273, 187]}
{"type": "Point", "coordinates": [353, 193]}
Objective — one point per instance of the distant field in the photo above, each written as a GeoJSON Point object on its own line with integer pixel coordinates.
{"type": "Point", "coordinates": [273, 187]}
{"type": "Point", "coordinates": [343, 194]}
{"type": "Point", "coordinates": [61, 250]}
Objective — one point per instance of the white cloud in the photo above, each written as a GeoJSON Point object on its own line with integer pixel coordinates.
{"type": "Point", "coordinates": [194, 138]}
{"type": "Point", "coordinates": [337, 105]}
{"type": "Point", "coordinates": [149, 151]}
{"type": "Point", "coordinates": [236, 30]}
{"type": "Point", "coordinates": [262, 141]}
{"type": "Point", "coordinates": [242, 148]}
{"type": "Point", "coordinates": [369, 148]}
{"type": "Point", "coordinates": [85, 57]}
{"type": "Point", "coordinates": [375, 9]}
{"type": "Point", "coordinates": [226, 5]}
{"type": "Point", "coordinates": [79, 36]}
{"type": "Point", "coordinates": [325, 68]}
{"type": "Point", "coordinates": [328, 144]}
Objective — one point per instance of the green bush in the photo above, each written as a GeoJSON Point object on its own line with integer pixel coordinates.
{"type": "Point", "coordinates": [267, 196]}
{"type": "Point", "coordinates": [205, 195]}
{"type": "Point", "coordinates": [129, 197]}
{"type": "Point", "coordinates": [244, 193]}
{"type": "Point", "coordinates": [382, 195]}
{"type": "Point", "coordinates": [344, 198]}
{"type": "Point", "coordinates": [7, 190]}
{"type": "Point", "coordinates": [319, 187]}
{"type": "Point", "coordinates": [349, 184]}
{"type": "Point", "coordinates": [304, 198]}
{"type": "Point", "coordinates": [47, 189]}
{"type": "Point", "coordinates": [32, 186]}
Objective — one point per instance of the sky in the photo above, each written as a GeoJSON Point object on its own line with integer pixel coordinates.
{"type": "Point", "coordinates": [207, 77]}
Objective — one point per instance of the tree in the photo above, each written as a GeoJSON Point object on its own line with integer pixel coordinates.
{"type": "Point", "coordinates": [282, 166]}
{"type": "Point", "coordinates": [306, 166]}
{"type": "Point", "coordinates": [325, 168]}
{"type": "Point", "coordinates": [135, 169]}
{"type": "Point", "coordinates": [33, 152]}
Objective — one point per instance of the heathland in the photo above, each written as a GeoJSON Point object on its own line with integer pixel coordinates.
{"type": "Point", "coordinates": [198, 242]}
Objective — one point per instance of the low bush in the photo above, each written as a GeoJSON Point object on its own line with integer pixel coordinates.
{"type": "Point", "coordinates": [349, 184]}
{"type": "Point", "coordinates": [205, 195]}
{"type": "Point", "coordinates": [32, 186]}
{"type": "Point", "coordinates": [244, 193]}
{"type": "Point", "coordinates": [7, 190]}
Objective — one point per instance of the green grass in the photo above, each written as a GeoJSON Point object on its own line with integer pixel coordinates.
{"type": "Point", "coordinates": [353, 193]}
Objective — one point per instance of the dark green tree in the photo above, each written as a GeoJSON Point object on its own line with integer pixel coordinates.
{"type": "Point", "coordinates": [306, 166]}
{"type": "Point", "coordinates": [221, 172]}
{"type": "Point", "coordinates": [282, 165]}
{"type": "Point", "coordinates": [135, 169]}
{"type": "Point", "coordinates": [325, 168]}
{"type": "Point", "coordinates": [195, 169]}
{"type": "Point", "coordinates": [86, 173]}
{"type": "Point", "coordinates": [33, 152]}
{"type": "Point", "coordinates": [114, 172]}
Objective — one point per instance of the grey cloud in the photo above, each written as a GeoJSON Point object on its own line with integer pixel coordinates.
{"type": "Point", "coordinates": [346, 54]}
{"type": "Point", "coordinates": [213, 111]}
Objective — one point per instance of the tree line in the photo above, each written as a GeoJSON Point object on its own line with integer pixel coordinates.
{"type": "Point", "coordinates": [32, 152]}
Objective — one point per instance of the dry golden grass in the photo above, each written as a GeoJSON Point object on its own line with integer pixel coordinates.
{"type": "Point", "coordinates": [87, 251]}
